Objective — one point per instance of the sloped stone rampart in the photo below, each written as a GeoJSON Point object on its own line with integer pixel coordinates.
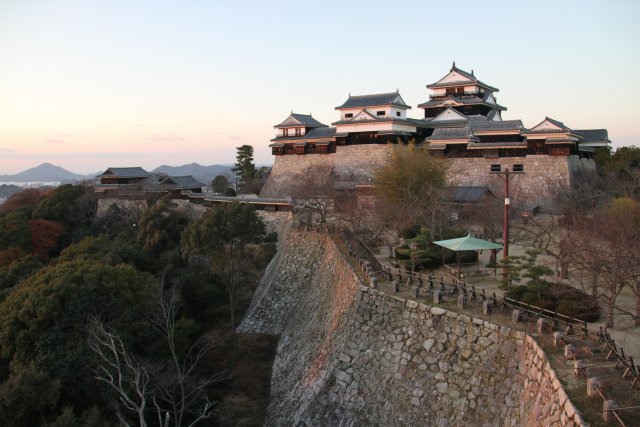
{"type": "Point", "coordinates": [352, 355]}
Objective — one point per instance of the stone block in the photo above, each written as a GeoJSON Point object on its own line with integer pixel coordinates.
{"type": "Point", "coordinates": [607, 407]}
{"type": "Point", "coordinates": [570, 351]}
{"type": "Point", "coordinates": [487, 307]}
{"type": "Point", "coordinates": [516, 315]}
{"type": "Point", "coordinates": [593, 385]}
{"type": "Point", "coordinates": [558, 338]}
{"type": "Point", "coordinates": [437, 297]}
{"type": "Point", "coordinates": [541, 325]}
{"type": "Point", "coordinates": [462, 301]}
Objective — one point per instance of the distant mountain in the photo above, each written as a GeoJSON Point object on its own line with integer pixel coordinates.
{"type": "Point", "coordinates": [204, 174]}
{"type": "Point", "coordinates": [46, 172]}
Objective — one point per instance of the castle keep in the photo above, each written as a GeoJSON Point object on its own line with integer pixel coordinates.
{"type": "Point", "coordinates": [462, 122]}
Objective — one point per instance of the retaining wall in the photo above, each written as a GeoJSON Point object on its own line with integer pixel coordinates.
{"type": "Point", "coordinates": [542, 173]}
{"type": "Point", "coordinates": [351, 355]}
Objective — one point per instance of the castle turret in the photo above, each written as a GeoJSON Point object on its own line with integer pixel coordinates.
{"type": "Point", "coordinates": [463, 92]}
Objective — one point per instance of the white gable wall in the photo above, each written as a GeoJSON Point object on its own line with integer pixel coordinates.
{"type": "Point", "coordinates": [454, 76]}
{"type": "Point", "coordinates": [389, 111]}
{"type": "Point", "coordinates": [449, 114]}
{"type": "Point", "coordinates": [374, 126]}
{"type": "Point", "coordinates": [546, 125]}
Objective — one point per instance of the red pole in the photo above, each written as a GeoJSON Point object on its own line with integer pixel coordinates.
{"type": "Point", "coordinates": [505, 251]}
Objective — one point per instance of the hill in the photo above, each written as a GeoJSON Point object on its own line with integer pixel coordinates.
{"type": "Point", "coordinates": [203, 174]}
{"type": "Point", "coordinates": [46, 172]}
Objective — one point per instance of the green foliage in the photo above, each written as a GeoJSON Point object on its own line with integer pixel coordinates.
{"type": "Point", "coordinates": [42, 323]}
{"type": "Point", "coordinates": [223, 237]}
{"type": "Point", "coordinates": [72, 205]}
{"type": "Point", "coordinates": [229, 192]}
{"type": "Point", "coordinates": [623, 160]}
{"type": "Point", "coordinates": [27, 393]}
{"type": "Point", "coordinates": [222, 229]}
{"type": "Point", "coordinates": [518, 267]}
{"type": "Point", "coordinates": [541, 293]}
{"type": "Point", "coordinates": [107, 251]}
{"type": "Point", "coordinates": [14, 231]}
{"type": "Point", "coordinates": [557, 297]}
{"type": "Point", "coordinates": [420, 252]}
{"type": "Point", "coordinates": [410, 176]}
{"type": "Point", "coordinates": [14, 273]}
{"type": "Point", "coordinates": [159, 232]}
{"type": "Point", "coordinates": [219, 183]}
{"type": "Point", "coordinates": [246, 169]}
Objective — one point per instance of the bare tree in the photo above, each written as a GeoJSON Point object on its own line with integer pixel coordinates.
{"type": "Point", "coordinates": [127, 377]}
{"type": "Point", "coordinates": [314, 191]}
{"type": "Point", "coordinates": [171, 390]}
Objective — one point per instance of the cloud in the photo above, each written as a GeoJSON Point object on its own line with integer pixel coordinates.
{"type": "Point", "coordinates": [7, 150]}
{"type": "Point", "coordinates": [234, 137]}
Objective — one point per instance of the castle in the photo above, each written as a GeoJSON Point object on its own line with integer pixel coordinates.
{"type": "Point", "coordinates": [462, 122]}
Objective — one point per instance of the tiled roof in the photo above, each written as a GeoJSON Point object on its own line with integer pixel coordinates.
{"type": "Point", "coordinates": [317, 133]}
{"type": "Point", "coordinates": [391, 98]}
{"type": "Point", "coordinates": [440, 134]}
{"type": "Point", "coordinates": [135, 172]}
{"type": "Point", "coordinates": [412, 122]}
{"type": "Point", "coordinates": [557, 123]}
{"type": "Point", "coordinates": [303, 119]}
{"type": "Point", "coordinates": [493, 145]}
{"type": "Point", "coordinates": [490, 125]}
{"type": "Point", "coordinates": [467, 194]}
{"type": "Point", "coordinates": [593, 135]}
{"type": "Point", "coordinates": [435, 103]}
{"type": "Point", "coordinates": [472, 80]}
{"type": "Point", "coordinates": [181, 182]}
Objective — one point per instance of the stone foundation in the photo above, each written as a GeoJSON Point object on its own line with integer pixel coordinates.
{"type": "Point", "coordinates": [534, 188]}
{"type": "Point", "coordinates": [351, 355]}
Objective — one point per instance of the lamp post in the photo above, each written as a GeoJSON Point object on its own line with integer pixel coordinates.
{"type": "Point", "coordinates": [505, 175]}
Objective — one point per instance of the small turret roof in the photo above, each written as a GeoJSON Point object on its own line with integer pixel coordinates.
{"type": "Point", "coordinates": [391, 98]}
{"type": "Point", "coordinates": [183, 182]}
{"type": "Point", "coordinates": [467, 78]}
{"type": "Point", "coordinates": [593, 135]}
{"type": "Point", "coordinates": [133, 172]}
{"type": "Point", "coordinates": [296, 119]}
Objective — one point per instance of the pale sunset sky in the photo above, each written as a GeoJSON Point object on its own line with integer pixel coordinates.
{"type": "Point", "coordinates": [90, 84]}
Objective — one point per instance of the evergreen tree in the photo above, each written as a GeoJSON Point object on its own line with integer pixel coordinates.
{"type": "Point", "coordinates": [245, 168]}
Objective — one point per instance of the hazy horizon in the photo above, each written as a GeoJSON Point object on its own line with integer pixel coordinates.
{"type": "Point", "coordinates": [88, 85]}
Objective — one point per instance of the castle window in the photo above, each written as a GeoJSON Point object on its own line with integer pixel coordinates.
{"type": "Point", "coordinates": [398, 113]}
{"type": "Point", "coordinates": [380, 113]}
{"type": "Point", "coordinates": [285, 132]}
{"type": "Point", "coordinates": [348, 115]}
{"type": "Point", "coordinates": [298, 131]}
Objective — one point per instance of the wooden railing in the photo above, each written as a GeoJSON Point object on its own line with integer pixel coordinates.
{"type": "Point", "coordinates": [450, 287]}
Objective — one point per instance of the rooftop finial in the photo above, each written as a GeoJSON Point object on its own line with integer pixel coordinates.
{"type": "Point", "coordinates": [472, 73]}
{"type": "Point", "coordinates": [454, 64]}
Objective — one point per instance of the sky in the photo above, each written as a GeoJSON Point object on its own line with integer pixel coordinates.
{"type": "Point", "coordinates": [90, 84]}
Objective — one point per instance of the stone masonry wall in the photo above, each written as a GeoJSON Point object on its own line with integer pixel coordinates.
{"type": "Point", "coordinates": [542, 173]}
{"type": "Point", "coordinates": [350, 162]}
{"type": "Point", "coordinates": [352, 355]}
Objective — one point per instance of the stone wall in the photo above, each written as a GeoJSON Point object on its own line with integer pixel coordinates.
{"type": "Point", "coordinates": [349, 354]}
{"type": "Point", "coordinates": [542, 173]}
{"type": "Point", "coordinates": [350, 162]}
